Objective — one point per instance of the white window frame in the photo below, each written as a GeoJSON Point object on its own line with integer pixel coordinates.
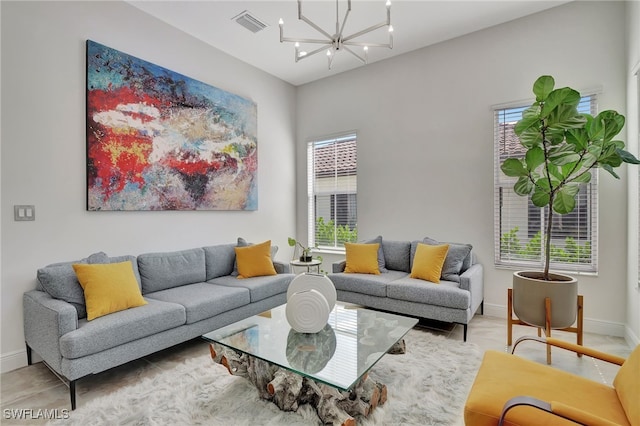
{"type": "Point", "coordinates": [338, 189]}
{"type": "Point", "coordinates": [509, 214]}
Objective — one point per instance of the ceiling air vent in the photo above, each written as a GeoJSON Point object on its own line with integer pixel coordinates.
{"type": "Point", "coordinates": [250, 22]}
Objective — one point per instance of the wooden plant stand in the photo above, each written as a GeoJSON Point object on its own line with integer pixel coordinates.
{"type": "Point", "coordinates": [288, 390]}
{"type": "Point", "coordinates": [513, 320]}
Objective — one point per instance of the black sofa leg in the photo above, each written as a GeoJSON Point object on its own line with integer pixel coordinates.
{"type": "Point", "coordinates": [482, 308]}
{"type": "Point", "coordinates": [72, 393]}
{"type": "Point", "coordinates": [29, 359]}
{"type": "Point", "coordinates": [464, 333]}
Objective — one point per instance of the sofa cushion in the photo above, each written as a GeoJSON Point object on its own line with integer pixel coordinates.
{"type": "Point", "coordinates": [259, 287]}
{"type": "Point", "coordinates": [361, 258]}
{"type": "Point", "coordinates": [382, 267]}
{"type": "Point", "coordinates": [203, 300]}
{"type": "Point", "coordinates": [428, 261]}
{"type": "Point", "coordinates": [160, 271]}
{"type": "Point", "coordinates": [446, 293]}
{"type": "Point", "coordinates": [121, 327]}
{"type": "Point", "coordinates": [59, 280]}
{"type": "Point", "coordinates": [254, 260]}
{"type": "Point", "coordinates": [108, 288]}
{"type": "Point", "coordinates": [397, 255]}
{"type": "Point", "coordinates": [374, 285]}
{"type": "Point", "coordinates": [219, 260]}
{"type": "Point", "coordinates": [458, 259]}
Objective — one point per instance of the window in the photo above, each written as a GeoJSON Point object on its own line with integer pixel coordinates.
{"type": "Point", "coordinates": [332, 192]}
{"type": "Point", "coordinates": [519, 226]}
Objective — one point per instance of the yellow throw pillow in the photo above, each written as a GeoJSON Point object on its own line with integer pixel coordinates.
{"type": "Point", "coordinates": [428, 262]}
{"type": "Point", "coordinates": [108, 288]}
{"type": "Point", "coordinates": [255, 260]}
{"type": "Point", "coordinates": [361, 258]}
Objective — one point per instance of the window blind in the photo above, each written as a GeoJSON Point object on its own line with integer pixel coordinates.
{"type": "Point", "coordinates": [332, 191]}
{"type": "Point", "coordinates": [519, 226]}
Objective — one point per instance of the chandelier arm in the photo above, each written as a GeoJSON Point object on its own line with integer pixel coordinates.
{"type": "Point", "coordinates": [363, 60]}
{"type": "Point", "coordinates": [305, 40]}
{"type": "Point", "coordinates": [308, 21]}
{"type": "Point", "coordinates": [346, 15]}
{"type": "Point", "coordinates": [366, 30]}
{"type": "Point", "coordinates": [321, 49]}
{"type": "Point", "coordinates": [363, 44]}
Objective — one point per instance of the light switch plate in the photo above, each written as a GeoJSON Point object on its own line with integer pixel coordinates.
{"type": "Point", "coordinates": [24, 212]}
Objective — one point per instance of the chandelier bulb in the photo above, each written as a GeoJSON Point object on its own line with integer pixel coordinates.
{"type": "Point", "coordinates": [328, 52]}
{"type": "Point", "coordinates": [390, 28]}
{"type": "Point", "coordinates": [366, 48]}
{"type": "Point", "coordinates": [281, 22]}
{"type": "Point", "coordinates": [297, 44]}
{"type": "Point", "coordinates": [388, 3]}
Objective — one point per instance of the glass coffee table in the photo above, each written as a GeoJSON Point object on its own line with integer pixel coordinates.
{"type": "Point", "coordinates": [327, 369]}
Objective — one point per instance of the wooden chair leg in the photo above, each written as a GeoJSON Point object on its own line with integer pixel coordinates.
{"type": "Point", "coordinates": [547, 321]}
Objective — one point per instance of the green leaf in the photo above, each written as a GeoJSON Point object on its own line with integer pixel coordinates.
{"type": "Point", "coordinates": [583, 178]}
{"type": "Point", "coordinates": [578, 138]}
{"type": "Point", "coordinates": [530, 138]}
{"type": "Point", "coordinates": [532, 111]}
{"type": "Point", "coordinates": [559, 97]}
{"type": "Point", "coordinates": [627, 157]}
{"type": "Point", "coordinates": [563, 154]}
{"type": "Point", "coordinates": [534, 158]}
{"type": "Point", "coordinates": [526, 123]}
{"type": "Point", "coordinates": [513, 167]}
{"type": "Point", "coordinates": [612, 123]}
{"type": "Point", "coordinates": [595, 128]}
{"type": "Point", "coordinates": [291, 242]}
{"type": "Point", "coordinates": [610, 170]}
{"type": "Point", "coordinates": [540, 198]}
{"type": "Point", "coordinates": [565, 199]}
{"type": "Point", "coordinates": [543, 86]}
{"type": "Point", "coordinates": [523, 186]}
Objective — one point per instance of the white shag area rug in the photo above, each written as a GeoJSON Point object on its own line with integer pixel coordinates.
{"type": "Point", "coordinates": [426, 386]}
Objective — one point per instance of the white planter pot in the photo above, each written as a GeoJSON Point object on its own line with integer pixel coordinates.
{"type": "Point", "coordinates": [530, 291]}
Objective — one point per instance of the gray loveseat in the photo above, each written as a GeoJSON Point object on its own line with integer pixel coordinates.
{"type": "Point", "coordinates": [455, 299]}
{"type": "Point", "coordinates": [188, 293]}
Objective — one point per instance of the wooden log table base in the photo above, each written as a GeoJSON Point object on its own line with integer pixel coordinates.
{"type": "Point", "coordinates": [289, 390]}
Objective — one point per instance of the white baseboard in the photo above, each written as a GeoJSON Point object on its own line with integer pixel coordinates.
{"type": "Point", "coordinates": [591, 325]}
{"type": "Point", "coordinates": [631, 337]}
{"type": "Point", "coordinates": [13, 360]}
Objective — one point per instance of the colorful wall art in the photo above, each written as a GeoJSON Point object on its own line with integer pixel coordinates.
{"type": "Point", "coordinates": [158, 140]}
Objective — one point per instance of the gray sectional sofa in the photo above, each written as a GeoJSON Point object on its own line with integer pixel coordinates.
{"type": "Point", "coordinates": [455, 299]}
{"type": "Point", "coordinates": [189, 293]}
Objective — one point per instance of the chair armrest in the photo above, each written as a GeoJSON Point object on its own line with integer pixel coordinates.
{"type": "Point", "coordinates": [555, 408]}
{"type": "Point", "coordinates": [46, 320]}
{"type": "Point", "coordinates": [281, 267]}
{"type": "Point", "coordinates": [337, 267]}
{"type": "Point", "coordinates": [614, 359]}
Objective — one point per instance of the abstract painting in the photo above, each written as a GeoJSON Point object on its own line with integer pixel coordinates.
{"type": "Point", "coordinates": [158, 140]}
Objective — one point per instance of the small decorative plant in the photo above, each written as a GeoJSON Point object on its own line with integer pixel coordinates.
{"type": "Point", "coordinates": [562, 145]}
{"type": "Point", "coordinates": [306, 251]}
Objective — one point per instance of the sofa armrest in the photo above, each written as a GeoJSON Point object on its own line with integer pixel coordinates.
{"type": "Point", "coordinates": [337, 267]}
{"type": "Point", "coordinates": [45, 320]}
{"type": "Point", "coordinates": [472, 280]}
{"type": "Point", "coordinates": [559, 409]}
{"type": "Point", "coordinates": [281, 267]}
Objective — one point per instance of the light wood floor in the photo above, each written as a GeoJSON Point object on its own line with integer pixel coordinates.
{"type": "Point", "coordinates": [36, 388]}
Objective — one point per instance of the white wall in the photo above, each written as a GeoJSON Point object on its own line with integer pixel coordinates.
{"type": "Point", "coordinates": [633, 121]}
{"type": "Point", "coordinates": [43, 151]}
{"type": "Point", "coordinates": [425, 137]}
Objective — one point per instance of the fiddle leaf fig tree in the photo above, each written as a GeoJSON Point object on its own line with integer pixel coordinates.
{"type": "Point", "coordinates": [563, 146]}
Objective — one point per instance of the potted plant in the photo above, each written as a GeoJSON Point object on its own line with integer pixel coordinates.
{"type": "Point", "coordinates": [563, 146]}
{"type": "Point", "coordinates": [305, 255]}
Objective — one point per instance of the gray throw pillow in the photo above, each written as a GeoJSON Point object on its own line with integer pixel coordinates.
{"type": "Point", "coordinates": [381, 262]}
{"type": "Point", "coordinates": [455, 259]}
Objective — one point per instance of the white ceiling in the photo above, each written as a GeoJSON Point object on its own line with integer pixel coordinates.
{"type": "Point", "coordinates": [416, 23]}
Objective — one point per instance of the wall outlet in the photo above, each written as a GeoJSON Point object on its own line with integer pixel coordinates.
{"type": "Point", "coordinates": [24, 212]}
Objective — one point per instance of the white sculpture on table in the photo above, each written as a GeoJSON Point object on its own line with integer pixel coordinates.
{"type": "Point", "coordinates": [310, 299]}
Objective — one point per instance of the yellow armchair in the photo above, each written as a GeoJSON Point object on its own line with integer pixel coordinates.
{"type": "Point", "coordinates": [509, 390]}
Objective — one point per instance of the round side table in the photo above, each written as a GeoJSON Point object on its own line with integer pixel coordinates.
{"type": "Point", "coordinates": [315, 263]}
